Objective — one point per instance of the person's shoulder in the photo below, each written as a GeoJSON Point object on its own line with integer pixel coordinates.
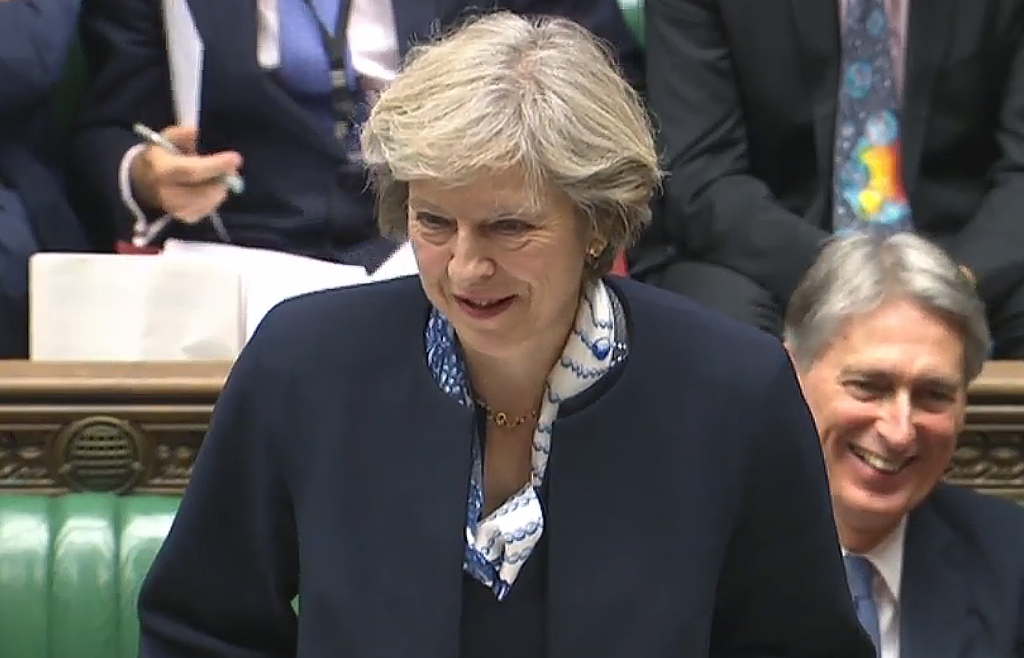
{"type": "Point", "coordinates": [313, 325]}
{"type": "Point", "coordinates": [981, 515]}
{"type": "Point", "coordinates": [709, 341]}
{"type": "Point", "coordinates": [988, 529]}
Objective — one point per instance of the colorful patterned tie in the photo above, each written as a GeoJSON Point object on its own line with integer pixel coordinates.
{"type": "Point", "coordinates": [860, 575]}
{"type": "Point", "coordinates": [868, 182]}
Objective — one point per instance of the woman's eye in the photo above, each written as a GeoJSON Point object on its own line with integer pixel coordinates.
{"type": "Point", "coordinates": [433, 222]}
{"type": "Point", "coordinates": [510, 226]}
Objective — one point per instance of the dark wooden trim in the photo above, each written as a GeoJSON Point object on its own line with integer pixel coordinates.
{"type": "Point", "coordinates": [136, 427]}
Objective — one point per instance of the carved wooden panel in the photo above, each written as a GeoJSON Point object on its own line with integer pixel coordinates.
{"type": "Point", "coordinates": [103, 427]}
{"type": "Point", "coordinates": [990, 454]}
{"type": "Point", "coordinates": [137, 427]}
{"type": "Point", "coordinates": [991, 460]}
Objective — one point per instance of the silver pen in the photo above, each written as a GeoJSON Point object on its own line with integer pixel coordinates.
{"type": "Point", "coordinates": [233, 181]}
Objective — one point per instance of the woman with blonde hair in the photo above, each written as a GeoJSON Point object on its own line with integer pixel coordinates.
{"type": "Point", "coordinates": [511, 454]}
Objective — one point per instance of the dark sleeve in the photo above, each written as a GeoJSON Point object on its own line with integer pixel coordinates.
{"type": "Point", "coordinates": [34, 38]}
{"type": "Point", "coordinates": [123, 41]}
{"type": "Point", "coordinates": [714, 208]}
{"type": "Point", "coordinates": [602, 17]}
{"type": "Point", "coordinates": [783, 591]}
{"type": "Point", "coordinates": [992, 243]}
{"type": "Point", "coordinates": [223, 581]}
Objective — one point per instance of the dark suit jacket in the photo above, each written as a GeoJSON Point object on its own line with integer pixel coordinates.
{"type": "Point", "coordinates": [34, 211]}
{"type": "Point", "coordinates": [337, 470]}
{"type": "Point", "coordinates": [34, 40]}
{"type": "Point", "coordinates": [963, 578]}
{"type": "Point", "coordinates": [745, 91]}
{"type": "Point", "coordinates": [295, 199]}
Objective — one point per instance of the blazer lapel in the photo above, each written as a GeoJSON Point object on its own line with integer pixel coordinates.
{"type": "Point", "coordinates": [422, 596]}
{"type": "Point", "coordinates": [817, 27]}
{"type": "Point", "coordinates": [300, 123]}
{"type": "Point", "coordinates": [927, 37]}
{"type": "Point", "coordinates": [405, 493]}
{"type": "Point", "coordinates": [611, 585]}
{"type": "Point", "coordinates": [586, 598]}
{"type": "Point", "coordinates": [229, 30]}
{"type": "Point", "coordinates": [934, 596]}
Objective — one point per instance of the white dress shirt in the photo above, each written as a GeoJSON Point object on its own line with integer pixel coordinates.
{"type": "Point", "coordinates": [373, 46]}
{"type": "Point", "coordinates": [887, 559]}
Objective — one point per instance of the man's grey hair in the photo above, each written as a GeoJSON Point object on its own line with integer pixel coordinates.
{"type": "Point", "coordinates": [856, 274]}
{"type": "Point", "coordinates": [503, 92]}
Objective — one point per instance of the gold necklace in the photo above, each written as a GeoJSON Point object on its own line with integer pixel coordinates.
{"type": "Point", "coordinates": [502, 420]}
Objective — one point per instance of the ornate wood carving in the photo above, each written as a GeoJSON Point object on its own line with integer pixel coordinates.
{"type": "Point", "coordinates": [103, 426]}
{"type": "Point", "coordinates": [137, 427]}
{"type": "Point", "coordinates": [990, 455]}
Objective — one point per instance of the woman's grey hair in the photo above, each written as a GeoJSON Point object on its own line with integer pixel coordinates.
{"type": "Point", "coordinates": [855, 274]}
{"type": "Point", "coordinates": [503, 91]}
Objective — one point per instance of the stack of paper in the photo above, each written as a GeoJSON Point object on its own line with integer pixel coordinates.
{"type": "Point", "coordinates": [113, 307]}
{"type": "Point", "coordinates": [269, 277]}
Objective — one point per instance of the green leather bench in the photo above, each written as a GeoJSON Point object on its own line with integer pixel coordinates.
{"type": "Point", "coordinates": [70, 572]}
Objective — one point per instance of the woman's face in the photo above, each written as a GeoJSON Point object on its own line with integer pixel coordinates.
{"type": "Point", "coordinates": [507, 275]}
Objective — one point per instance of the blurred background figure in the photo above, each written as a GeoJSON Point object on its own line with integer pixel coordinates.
{"type": "Point", "coordinates": [887, 334]}
{"type": "Point", "coordinates": [34, 211]}
{"type": "Point", "coordinates": [286, 85]}
{"type": "Point", "coordinates": [783, 123]}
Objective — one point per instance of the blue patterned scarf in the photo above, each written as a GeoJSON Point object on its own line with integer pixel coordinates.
{"type": "Point", "coordinates": [497, 546]}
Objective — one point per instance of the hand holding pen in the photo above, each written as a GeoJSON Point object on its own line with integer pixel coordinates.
{"type": "Point", "coordinates": [171, 177]}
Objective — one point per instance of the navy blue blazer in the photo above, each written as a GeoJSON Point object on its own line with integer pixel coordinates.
{"type": "Point", "coordinates": [295, 200]}
{"type": "Point", "coordinates": [34, 40]}
{"type": "Point", "coordinates": [688, 511]}
{"type": "Point", "coordinates": [963, 577]}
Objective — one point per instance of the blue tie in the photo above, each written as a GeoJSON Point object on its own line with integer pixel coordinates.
{"type": "Point", "coordinates": [305, 63]}
{"type": "Point", "coordinates": [868, 190]}
{"type": "Point", "coordinates": [860, 575]}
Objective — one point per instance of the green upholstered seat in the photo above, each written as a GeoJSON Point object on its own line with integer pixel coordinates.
{"type": "Point", "coordinates": [70, 572]}
{"type": "Point", "coordinates": [633, 10]}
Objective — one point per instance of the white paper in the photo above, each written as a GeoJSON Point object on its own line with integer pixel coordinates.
{"type": "Point", "coordinates": [270, 277]}
{"type": "Point", "coordinates": [399, 264]}
{"type": "Point", "coordinates": [119, 307]}
{"type": "Point", "coordinates": [185, 60]}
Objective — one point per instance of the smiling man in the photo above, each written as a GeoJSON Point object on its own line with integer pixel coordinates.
{"type": "Point", "coordinates": [886, 335]}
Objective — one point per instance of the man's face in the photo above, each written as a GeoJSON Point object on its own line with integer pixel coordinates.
{"type": "Point", "coordinates": [888, 397]}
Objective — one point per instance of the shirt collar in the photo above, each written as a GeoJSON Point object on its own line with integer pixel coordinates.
{"type": "Point", "coordinates": [887, 558]}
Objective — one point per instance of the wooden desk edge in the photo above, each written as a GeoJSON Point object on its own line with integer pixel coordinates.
{"type": "Point", "coordinates": [26, 379]}
{"type": "Point", "coordinates": [999, 379]}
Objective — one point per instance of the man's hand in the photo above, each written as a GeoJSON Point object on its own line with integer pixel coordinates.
{"type": "Point", "coordinates": [187, 186]}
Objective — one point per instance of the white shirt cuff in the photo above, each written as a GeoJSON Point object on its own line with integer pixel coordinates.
{"type": "Point", "coordinates": [141, 225]}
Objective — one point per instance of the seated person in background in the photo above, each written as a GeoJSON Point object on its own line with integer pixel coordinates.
{"type": "Point", "coordinates": [268, 110]}
{"type": "Point", "coordinates": [34, 212]}
{"type": "Point", "coordinates": [481, 468]}
{"type": "Point", "coordinates": [783, 122]}
{"type": "Point", "coordinates": [886, 335]}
